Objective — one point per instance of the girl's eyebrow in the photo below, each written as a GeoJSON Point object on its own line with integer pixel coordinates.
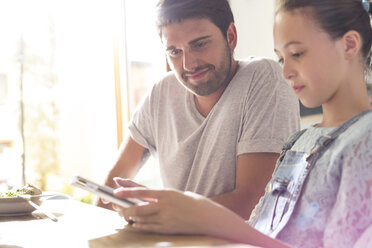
{"type": "Point", "coordinates": [289, 44]}
{"type": "Point", "coordinates": [292, 43]}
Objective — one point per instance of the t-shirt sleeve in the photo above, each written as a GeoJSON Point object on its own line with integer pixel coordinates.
{"type": "Point", "coordinates": [271, 111]}
{"type": "Point", "coordinates": [140, 125]}
{"type": "Point", "coordinates": [352, 212]}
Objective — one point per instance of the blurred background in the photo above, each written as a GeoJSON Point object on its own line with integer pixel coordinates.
{"type": "Point", "coordinates": [71, 74]}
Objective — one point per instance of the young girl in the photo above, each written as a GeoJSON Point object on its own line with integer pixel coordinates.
{"type": "Point", "coordinates": [320, 194]}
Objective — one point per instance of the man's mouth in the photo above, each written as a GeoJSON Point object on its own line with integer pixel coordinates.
{"type": "Point", "coordinates": [198, 73]}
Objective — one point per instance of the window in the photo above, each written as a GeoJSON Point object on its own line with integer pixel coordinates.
{"type": "Point", "coordinates": [64, 67]}
{"type": "Point", "coordinates": [146, 65]}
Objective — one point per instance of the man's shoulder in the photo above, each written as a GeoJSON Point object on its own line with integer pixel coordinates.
{"type": "Point", "coordinates": [169, 77]}
{"type": "Point", "coordinates": [259, 69]}
{"type": "Point", "coordinates": [259, 63]}
{"type": "Point", "coordinates": [167, 87]}
{"type": "Point", "coordinates": [168, 80]}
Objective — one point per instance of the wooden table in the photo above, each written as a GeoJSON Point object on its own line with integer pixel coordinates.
{"type": "Point", "coordinates": [83, 225]}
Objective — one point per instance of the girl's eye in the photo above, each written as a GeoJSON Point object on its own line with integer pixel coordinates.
{"type": "Point", "coordinates": [297, 55]}
{"type": "Point", "coordinates": [281, 61]}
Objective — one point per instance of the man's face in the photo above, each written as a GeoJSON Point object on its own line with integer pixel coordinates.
{"type": "Point", "coordinates": [199, 55]}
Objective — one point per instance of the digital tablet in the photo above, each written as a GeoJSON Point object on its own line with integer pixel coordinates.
{"type": "Point", "coordinates": [102, 191]}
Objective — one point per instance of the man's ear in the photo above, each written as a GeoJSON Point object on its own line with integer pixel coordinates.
{"type": "Point", "coordinates": [352, 44]}
{"type": "Point", "coordinates": [232, 36]}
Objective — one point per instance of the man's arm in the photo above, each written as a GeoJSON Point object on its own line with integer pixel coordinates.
{"type": "Point", "coordinates": [253, 172]}
{"type": "Point", "coordinates": [131, 157]}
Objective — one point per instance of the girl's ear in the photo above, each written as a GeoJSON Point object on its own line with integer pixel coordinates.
{"type": "Point", "coordinates": [352, 44]}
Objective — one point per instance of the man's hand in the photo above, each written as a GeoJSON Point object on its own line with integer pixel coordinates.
{"type": "Point", "coordinates": [132, 156]}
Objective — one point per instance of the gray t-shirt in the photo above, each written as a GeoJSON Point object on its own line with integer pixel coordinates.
{"type": "Point", "coordinates": [334, 208]}
{"type": "Point", "coordinates": [256, 113]}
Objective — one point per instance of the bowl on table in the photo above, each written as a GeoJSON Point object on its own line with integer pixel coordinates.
{"type": "Point", "coordinates": [17, 205]}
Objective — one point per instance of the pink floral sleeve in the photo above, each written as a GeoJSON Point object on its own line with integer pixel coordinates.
{"type": "Point", "coordinates": [351, 215]}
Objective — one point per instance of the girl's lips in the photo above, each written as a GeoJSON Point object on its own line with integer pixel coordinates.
{"type": "Point", "coordinates": [298, 89]}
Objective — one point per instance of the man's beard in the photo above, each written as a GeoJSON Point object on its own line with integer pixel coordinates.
{"type": "Point", "coordinates": [219, 78]}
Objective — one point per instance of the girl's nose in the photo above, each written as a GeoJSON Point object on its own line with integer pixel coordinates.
{"type": "Point", "coordinates": [288, 71]}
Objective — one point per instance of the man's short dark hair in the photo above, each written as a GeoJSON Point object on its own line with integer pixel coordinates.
{"type": "Point", "coordinates": [175, 11]}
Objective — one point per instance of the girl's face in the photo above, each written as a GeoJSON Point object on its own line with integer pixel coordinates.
{"type": "Point", "coordinates": [313, 63]}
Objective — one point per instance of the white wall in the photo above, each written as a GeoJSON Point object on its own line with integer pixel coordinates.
{"type": "Point", "coordinates": [254, 22]}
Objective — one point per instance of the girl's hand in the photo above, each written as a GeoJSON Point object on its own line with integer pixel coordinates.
{"type": "Point", "coordinates": [124, 183]}
{"type": "Point", "coordinates": [174, 212]}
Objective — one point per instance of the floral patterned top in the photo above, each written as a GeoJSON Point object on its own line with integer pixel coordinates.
{"type": "Point", "coordinates": [335, 207]}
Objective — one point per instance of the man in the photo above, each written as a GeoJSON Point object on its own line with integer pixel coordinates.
{"type": "Point", "coordinates": [216, 124]}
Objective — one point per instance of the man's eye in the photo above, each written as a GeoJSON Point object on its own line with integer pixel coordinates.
{"type": "Point", "coordinates": [200, 44]}
{"type": "Point", "coordinates": [174, 52]}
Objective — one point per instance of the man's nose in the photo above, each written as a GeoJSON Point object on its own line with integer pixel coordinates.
{"type": "Point", "coordinates": [189, 61]}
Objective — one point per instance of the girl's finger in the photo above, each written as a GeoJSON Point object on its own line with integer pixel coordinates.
{"type": "Point", "coordinates": [140, 193]}
{"type": "Point", "coordinates": [143, 210]}
{"type": "Point", "coordinates": [148, 219]}
{"type": "Point", "coordinates": [125, 182]}
{"type": "Point", "coordinates": [152, 227]}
